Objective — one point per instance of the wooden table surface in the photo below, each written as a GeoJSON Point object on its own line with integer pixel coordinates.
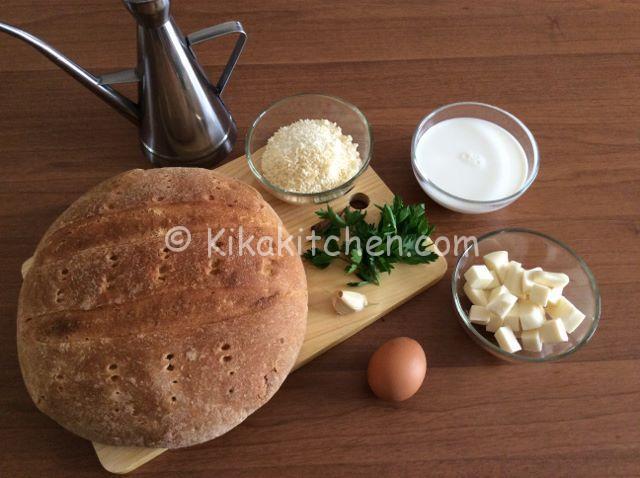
{"type": "Point", "coordinates": [570, 69]}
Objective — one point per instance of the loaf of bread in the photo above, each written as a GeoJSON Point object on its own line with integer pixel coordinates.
{"type": "Point", "coordinates": [125, 341]}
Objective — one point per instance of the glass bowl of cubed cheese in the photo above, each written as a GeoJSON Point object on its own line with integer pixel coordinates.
{"type": "Point", "coordinates": [524, 296]}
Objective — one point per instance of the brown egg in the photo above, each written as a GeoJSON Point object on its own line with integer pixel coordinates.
{"type": "Point", "coordinates": [397, 369]}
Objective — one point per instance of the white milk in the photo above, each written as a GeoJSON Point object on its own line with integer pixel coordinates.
{"type": "Point", "coordinates": [472, 158]}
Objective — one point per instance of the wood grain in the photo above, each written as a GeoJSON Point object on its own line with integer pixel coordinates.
{"type": "Point", "coordinates": [569, 69]}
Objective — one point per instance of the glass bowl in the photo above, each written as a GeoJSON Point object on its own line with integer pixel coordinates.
{"type": "Point", "coordinates": [486, 112]}
{"type": "Point", "coordinates": [532, 249]}
{"type": "Point", "coordinates": [308, 106]}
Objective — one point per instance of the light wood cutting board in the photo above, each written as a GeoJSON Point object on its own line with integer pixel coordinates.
{"type": "Point", "coordinates": [324, 328]}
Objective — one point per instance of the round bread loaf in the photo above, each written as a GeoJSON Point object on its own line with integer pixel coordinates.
{"type": "Point", "coordinates": [125, 341]}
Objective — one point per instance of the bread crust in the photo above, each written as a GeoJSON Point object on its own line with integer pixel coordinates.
{"type": "Point", "coordinates": [125, 342]}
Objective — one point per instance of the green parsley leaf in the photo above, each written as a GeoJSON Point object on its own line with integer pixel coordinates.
{"type": "Point", "coordinates": [400, 236]}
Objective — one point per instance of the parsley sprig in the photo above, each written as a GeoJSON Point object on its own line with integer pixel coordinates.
{"type": "Point", "coordinates": [400, 236]}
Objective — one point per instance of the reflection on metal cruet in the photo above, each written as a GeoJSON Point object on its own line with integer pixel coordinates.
{"type": "Point", "coordinates": [181, 118]}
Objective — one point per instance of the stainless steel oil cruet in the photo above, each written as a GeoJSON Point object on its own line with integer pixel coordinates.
{"type": "Point", "coordinates": [181, 118]}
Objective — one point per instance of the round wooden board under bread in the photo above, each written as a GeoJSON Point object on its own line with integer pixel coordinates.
{"type": "Point", "coordinates": [125, 342]}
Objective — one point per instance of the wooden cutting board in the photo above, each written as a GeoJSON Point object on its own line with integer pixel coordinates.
{"type": "Point", "coordinates": [325, 329]}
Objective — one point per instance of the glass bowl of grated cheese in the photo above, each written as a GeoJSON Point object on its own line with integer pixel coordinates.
{"type": "Point", "coordinates": [309, 148]}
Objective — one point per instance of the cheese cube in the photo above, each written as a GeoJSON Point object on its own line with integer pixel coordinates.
{"type": "Point", "coordinates": [502, 273]}
{"type": "Point", "coordinates": [479, 315]}
{"type": "Point", "coordinates": [515, 311]}
{"type": "Point", "coordinates": [496, 281]}
{"type": "Point", "coordinates": [562, 309]}
{"type": "Point", "coordinates": [513, 278]}
{"type": "Point", "coordinates": [478, 277]}
{"type": "Point", "coordinates": [527, 283]}
{"type": "Point", "coordinates": [513, 322]}
{"type": "Point", "coordinates": [495, 322]}
{"type": "Point", "coordinates": [531, 340]}
{"type": "Point", "coordinates": [550, 279]}
{"type": "Point", "coordinates": [502, 304]}
{"type": "Point", "coordinates": [554, 295]}
{"type": "Point", "coordinates": [531, 315]}
{"type": "Point", "coordinates": [507, 340]}
{"type": "Point", "coordinates": [539, 294]}
{"type": "Point", "coordinates": [496, 260]}
{"type": "Point", "coordinates": [572, 322]}
{"type": "Point", "coordinates": [493, 293]}
{"type": "Point", "coordinates": [553, 332]}
{"type": "Point", "coordinates": [476, 296]}
{"type": "Point", "coordinates": [512, 319]}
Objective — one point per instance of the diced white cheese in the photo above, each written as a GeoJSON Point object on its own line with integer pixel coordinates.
{"type": "Point", "coordinates": [493, 293]}
{"type": "Point", "coordinates": [512, 319]}
{"type": "Point", "coordinates": [515, 311]}
{"type": "Point", "coordinates": [495, 322]}
{"type": "Point", "coordinates": [513, 278]}
{"type": "Point", "coordinates": [550, 279]}
{"type": "Point", "coordinates": [496, 260]}
{"type": "Point", "coordinates": [513, 323]}
{"type": "Point", "coordinates": [527, 283]}
{"type": "Point", "coordinates": [572, 322]}
{"type": "Point", "coordinates": [531, 340]}
{"type": "Point", "coordinates": [502, 273]}
{"type": "Point", "coordinates": [479, 315]}
{"type": "Point", "coordinates": [502, 304]}
{"type": "Point", "coordinates": [513, 302]}
{"type": "Point", "coordinates": [562, 309]}
{"type": "Point", "coordinates": [507, 340]}
{"type": "Point", "coordinates": [531, 315]}
{"type": "Point", "coordinates": [478, 277]}
{"type": "Point", "coordinates": [539, 294]}
{"type": "Point", "coordinates": [554, 295]}
{"type": "Point", "coordinates": [476, 296]}
{"type": "Point", "coordinates": [553, 332]}
{"type": "Point", "coordinates": [496, 281]}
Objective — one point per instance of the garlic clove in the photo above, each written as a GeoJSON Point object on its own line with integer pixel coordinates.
{"type": "Point", "coordinates": [346, 302]}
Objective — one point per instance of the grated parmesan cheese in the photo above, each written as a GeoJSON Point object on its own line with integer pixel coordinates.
{"type": "Point", "coordinates": [310, 155]}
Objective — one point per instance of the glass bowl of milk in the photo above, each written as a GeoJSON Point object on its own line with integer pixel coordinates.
{"type": "Point", "coordinates": [473, 158]}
